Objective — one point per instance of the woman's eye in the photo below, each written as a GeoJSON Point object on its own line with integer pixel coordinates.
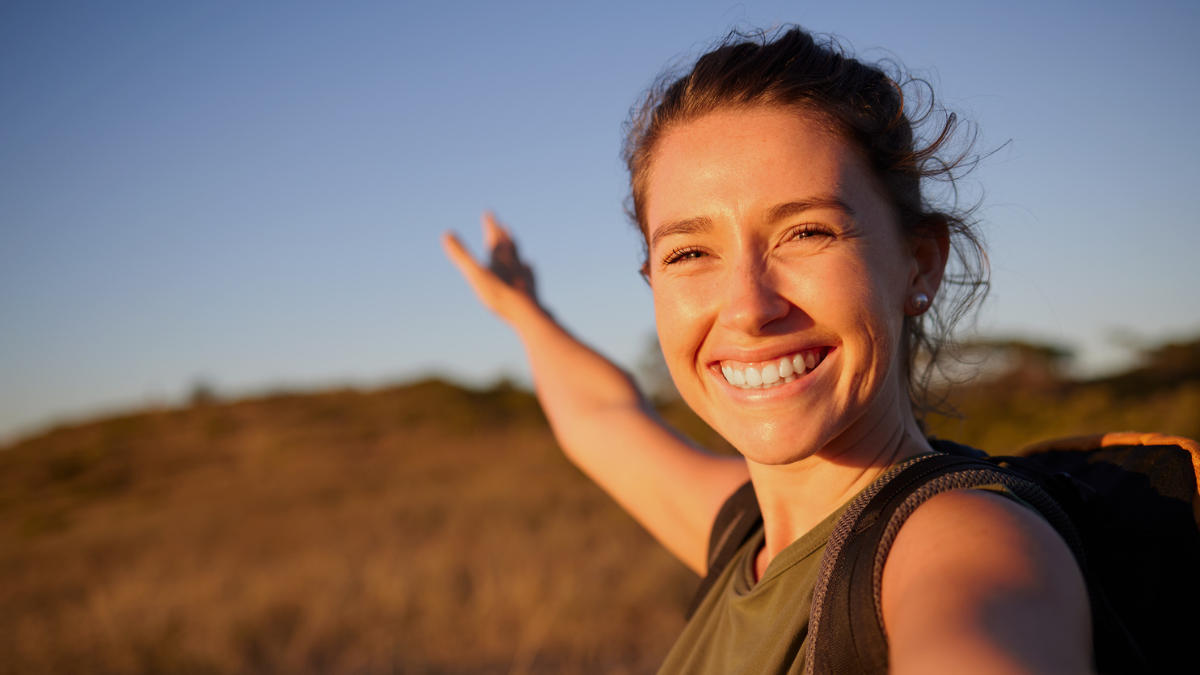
{"type": "Point", "coordinates": [810, 232]}
{"type": "Point", "coordinates": [682, 254]}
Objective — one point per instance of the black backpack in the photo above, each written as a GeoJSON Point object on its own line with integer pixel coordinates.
{"type": "Point", "coordinates": [1126, 504]}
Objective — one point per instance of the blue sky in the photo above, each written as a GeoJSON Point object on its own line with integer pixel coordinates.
{"type": "Point", "coordinates": [250, 194]}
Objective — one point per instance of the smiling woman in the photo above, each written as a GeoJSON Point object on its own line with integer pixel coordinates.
{"type": "Point", "coordinates": [800, 255]}
{"type": "Point", "coordinates": [794, 260]}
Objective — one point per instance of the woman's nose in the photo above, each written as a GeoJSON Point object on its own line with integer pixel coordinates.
{"type": "Point", "coordinates": [752, 300]}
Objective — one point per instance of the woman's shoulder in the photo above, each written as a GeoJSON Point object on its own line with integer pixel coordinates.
{"type": "Point", "coordinates": [986, 574]}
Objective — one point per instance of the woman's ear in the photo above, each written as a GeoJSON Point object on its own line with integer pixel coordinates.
{"type": "Point", "coordinates": [930, 251]}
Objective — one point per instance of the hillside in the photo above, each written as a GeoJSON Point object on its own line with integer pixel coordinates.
{"type": "Point", "coordinates": [1029, 398]}
{"type": "Point", "coordinates": [417, 529]}
{"type": "Point", "coordinates": [423, 528]}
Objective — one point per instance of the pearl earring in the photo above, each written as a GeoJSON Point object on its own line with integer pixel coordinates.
{"type": "Point", "coordinates": [920, 302]}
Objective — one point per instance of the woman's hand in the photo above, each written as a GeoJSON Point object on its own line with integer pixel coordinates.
{"type": "Point", "coordinates": [506, 285]}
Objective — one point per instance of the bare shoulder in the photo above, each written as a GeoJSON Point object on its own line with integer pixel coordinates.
{"type": "Point", "coordinates": [976, 582]}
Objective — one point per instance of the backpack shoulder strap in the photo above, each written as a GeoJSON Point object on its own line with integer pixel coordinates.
{"type": "Point", "coordinates": [846, 633]}
{"type": "Point", "coordinates": [738, 518]}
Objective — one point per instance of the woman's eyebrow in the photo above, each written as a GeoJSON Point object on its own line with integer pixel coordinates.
{"type": "Point", "coordinates": [793, 208]}
{"type": "Point", "coordinates": [702, 224]}
{"type": "Point", "coordinates": [697, 225]}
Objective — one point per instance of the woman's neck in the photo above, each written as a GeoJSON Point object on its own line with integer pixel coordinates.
{"type": "Point", "coordinates": [796, 497]}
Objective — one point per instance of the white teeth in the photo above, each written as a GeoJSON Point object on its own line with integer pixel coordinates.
{"type": "Point", "coordinates": [753, 377]}
{"type": "Point", "coordinates": [785, 370]}
{"type": "Point", "coordinates": [770, 374]}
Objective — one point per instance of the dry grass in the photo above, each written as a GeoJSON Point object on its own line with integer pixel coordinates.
{"type": "Point", "coordinates": [423, 529]}
{"type": "Point", "coordinates": [1001, 419]}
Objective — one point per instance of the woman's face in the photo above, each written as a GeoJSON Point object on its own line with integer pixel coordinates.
{"type": "Point", "coordinates": [780, 281]}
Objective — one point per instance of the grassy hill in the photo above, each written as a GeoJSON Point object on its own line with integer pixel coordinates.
{"type": "Point", "coordinates": [422, 528]}
{"type": "Point", "coordinates": [417, 529]}
{"type": "Point", "coordinates": [1028, 398]}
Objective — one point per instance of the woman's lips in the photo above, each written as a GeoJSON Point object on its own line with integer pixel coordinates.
{"type": "Point", "coordinates": [773, 373]}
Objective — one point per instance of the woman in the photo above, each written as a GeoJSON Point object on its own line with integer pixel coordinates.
{"type": "Point", "coordinates": [794, 262]}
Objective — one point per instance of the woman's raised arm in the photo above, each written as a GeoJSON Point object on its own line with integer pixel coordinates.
{"type": "Point", "coordinates": [601, 420]}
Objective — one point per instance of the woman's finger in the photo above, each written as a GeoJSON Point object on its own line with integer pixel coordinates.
{"type": "Point", "coordinates": [475, 274]}
{"type": "Point", "coordinates": [504, 261]}
{"type": "Point", "coordinates": [457, 254]}
{"type": "Point", "coordinates": [494, 234]}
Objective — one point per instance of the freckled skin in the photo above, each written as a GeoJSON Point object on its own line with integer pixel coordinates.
{"type": "Point", "coordinates": [750, 285]}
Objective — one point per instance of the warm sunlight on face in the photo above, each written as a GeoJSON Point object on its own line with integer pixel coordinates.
{"type": "Point", "coordinates": [780, 278]}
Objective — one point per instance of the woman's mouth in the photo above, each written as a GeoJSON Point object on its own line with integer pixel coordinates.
{"type": "Point", "coordinates": [773, 373]}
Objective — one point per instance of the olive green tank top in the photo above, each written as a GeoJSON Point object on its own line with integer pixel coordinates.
{"type": "Point", "coordinates": [744, 627]}
{"type": "Point", "coordinates": [747, 627]}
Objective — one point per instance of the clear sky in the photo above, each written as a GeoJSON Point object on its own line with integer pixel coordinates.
{"type": "Point", "coordinates": [250, 194]}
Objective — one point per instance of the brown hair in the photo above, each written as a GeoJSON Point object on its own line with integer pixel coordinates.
{"type": "Point", "coordinates": [867, 106]}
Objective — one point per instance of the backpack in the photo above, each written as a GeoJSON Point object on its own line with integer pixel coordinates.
{"type": "Point", "coordinates": [1126, 504]}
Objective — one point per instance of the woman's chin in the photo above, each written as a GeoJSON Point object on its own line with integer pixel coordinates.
{"type": "Point", "coordinates": [775, 458]}
{"type": "Point", "coordinates": [776, 445]}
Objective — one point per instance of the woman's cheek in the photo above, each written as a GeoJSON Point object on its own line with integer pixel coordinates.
{"type": "Point", "coordinates": [671, 318]}
{"type": "Point", "coordinates": [683, 318]}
